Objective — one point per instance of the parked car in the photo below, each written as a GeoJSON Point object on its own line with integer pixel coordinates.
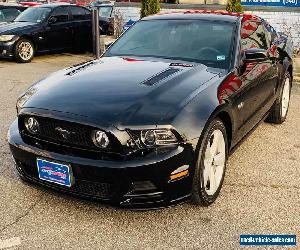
{"type": "Point", "coordinates": [106, 16]}
{"type": "Point", "coordinates": [51, 27]}
{"type": "Point", "coordinates": [152, 123]}
{"type": "Point", "coordinates": [9, 12]}
{"type": "Point", "coordinates": [76, 2]}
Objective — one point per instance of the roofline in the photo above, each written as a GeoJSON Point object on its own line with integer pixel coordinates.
{"type": "Point", "coordinates": [204, 11]}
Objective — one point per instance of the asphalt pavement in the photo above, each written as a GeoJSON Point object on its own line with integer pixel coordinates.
{"type": "Point", "coordinates": [261, 192]}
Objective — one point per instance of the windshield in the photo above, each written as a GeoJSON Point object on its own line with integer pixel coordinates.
{"type": "Point", "coordinates": [105, 11]}
{"type": "Point", "coordinates": [8, 15]}
{"type": "Point", "coordinates": [207, 42]}
{"type": "Point", "coordinates": [34, 15]}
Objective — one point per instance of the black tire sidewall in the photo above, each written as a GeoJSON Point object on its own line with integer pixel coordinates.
{"type": "Point", "coordinates": [199, 195]}
{"type": "Point", "coordinates": [16, 51]}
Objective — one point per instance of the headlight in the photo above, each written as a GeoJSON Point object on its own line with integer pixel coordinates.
{"type": "Point", "coordinates": [6, 38]}
{"type": "Point", "coordinates": [154, 137]}
{"type": "Point", "coordinates": [32, 125]}
{"type": "Point", "coordinates": [100, 139]}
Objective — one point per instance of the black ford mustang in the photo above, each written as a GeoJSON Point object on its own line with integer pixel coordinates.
{"type": "Point", "coordinates": [153, 121]}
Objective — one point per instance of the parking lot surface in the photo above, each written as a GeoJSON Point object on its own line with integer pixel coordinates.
{"type": "Point", "coordinates": [261, 192]}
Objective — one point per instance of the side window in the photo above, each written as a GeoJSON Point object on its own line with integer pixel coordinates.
{"type": "Point", "coordinates": [253, 35]}
{"type": "Point", "coordinates": [78, 13]}
{"type": "Point", "coordinates": [61, 14]}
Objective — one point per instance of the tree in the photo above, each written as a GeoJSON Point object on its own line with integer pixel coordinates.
{"type": "Point", "coordinates": [149, 7]}
{"type": "Point", "coordinates": [234, 6]}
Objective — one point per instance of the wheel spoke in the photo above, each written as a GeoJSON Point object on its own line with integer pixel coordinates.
{"type": "Point", "coordinates": [219, 159]}
{"type": "Point", "coordinates": [212, 180]}
{"type": "Point", "coordinates": [214, 145]}
{"type": "Point", "coordinates": [285, 97]}
{"type": "Point", "coordinates": [205, 176]}
{"type": "Point", "coordinates": [208, 153]}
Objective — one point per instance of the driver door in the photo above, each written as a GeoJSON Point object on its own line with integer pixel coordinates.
{"type": "Point", "coordinates": [59, 30]}
{"type": "Point", "coordinates": [258, 79]}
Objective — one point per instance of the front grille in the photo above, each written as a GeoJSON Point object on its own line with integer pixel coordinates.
{"type": "Point", "coordinates": [83, 187]}
{"type": "Point", "coordinates": [78, 135]}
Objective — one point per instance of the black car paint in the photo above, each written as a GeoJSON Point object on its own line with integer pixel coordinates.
{"type": "Point", "coordinates": [186, 102]}
{"type": "Point", "coordinates": [106, 22]}
{"type": "Point", "coordinates": [49, 37]}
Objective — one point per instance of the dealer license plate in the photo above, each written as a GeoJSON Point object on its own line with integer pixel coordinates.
{"type": "Point", "coordinates": [54, 172]}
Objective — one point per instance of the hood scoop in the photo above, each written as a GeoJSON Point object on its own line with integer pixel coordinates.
{"type": "Point", "coordinates": [161, 76]}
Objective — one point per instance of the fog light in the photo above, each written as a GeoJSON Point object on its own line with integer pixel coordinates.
{"type": "Point", "coordinates": [142, 186]}
{"type": "Point", "coordinates": [100, 139]}
{"type": "Point", "coordinates": [32, 125]}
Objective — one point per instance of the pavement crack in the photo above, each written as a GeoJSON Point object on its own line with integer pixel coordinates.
{"type": "Point", "coordinates": [22, 216]}
{"type": "Point", "coordinates": [15, 83]}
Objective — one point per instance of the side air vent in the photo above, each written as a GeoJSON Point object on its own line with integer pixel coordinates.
{"type": "Point", "coordinates": [160, 76]}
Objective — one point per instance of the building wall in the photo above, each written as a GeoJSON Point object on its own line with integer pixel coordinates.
{"type": "Point", "coordinates": [276, 19]}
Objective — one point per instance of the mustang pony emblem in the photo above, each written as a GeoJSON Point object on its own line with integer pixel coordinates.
{"type": "Point", "coordinates": [64, 133]}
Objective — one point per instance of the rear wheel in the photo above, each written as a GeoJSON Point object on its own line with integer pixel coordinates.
{"type": "Point", "coordinates": [211, 164]}
{"type": "Point", "coordinates": [24, 51]}
{"type": "Point", "coordinates": [279, 111]}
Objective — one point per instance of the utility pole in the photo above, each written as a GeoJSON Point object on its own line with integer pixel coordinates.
{"type": "Point", "coordinates": [96, 32]}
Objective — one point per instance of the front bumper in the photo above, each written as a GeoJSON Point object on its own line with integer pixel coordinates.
{"type": "Point", "coordinates": [142, 182]}
{"type": "Point", "coordinates": [7, 49]}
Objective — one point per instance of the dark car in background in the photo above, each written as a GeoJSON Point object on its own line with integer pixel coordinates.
{"type": "Point", "coordinates": [50, 27]}
{"type": "Point", "coordinates": [9, 12]}
{"type": "Point", "coordinates": [106, 16]}
{"type": "Point", "coordinates": [153, 121]}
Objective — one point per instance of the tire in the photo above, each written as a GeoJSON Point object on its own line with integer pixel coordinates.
{"type": "Point", "coordinates": [202, 192]}
{"type": "Point", "coordinates": [24, 51]}
{"type": "Point", "coordinates": [279, 111]}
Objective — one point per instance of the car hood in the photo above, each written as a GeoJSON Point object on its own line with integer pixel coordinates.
{"type": "Point", "coordinates": [120, 91]}
{"type": "Point", "coordinates": [6, 28]}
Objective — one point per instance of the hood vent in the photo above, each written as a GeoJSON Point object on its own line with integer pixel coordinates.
{"type": "Point", "coordinates": [160, 76]}
{"type": "Point", "coordinates": [81, 68]}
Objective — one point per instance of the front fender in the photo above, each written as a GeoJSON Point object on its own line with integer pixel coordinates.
{"type": "Point", "coordinates": [197, 114]}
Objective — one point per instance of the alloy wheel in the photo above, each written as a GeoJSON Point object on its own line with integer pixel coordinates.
{"type": "Point", "coordinates": [214, 162]}
{"type": "Point", "coordinates": [25, 50]}
{"type": "Point", "coordinates": [285, 97]}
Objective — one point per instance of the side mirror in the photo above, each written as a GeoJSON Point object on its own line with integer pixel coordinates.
{"type": "Point", "coordinates": [52, 20]}
{"type": "Point", "coordinates": [254, 55]}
